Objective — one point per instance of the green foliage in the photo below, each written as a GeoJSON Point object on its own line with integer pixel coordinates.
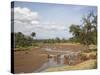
{"type": "Point", "coordinates": [86, 33]}
{"type": "Point", "coordinates": [21, 40]}
{"type": "Point", "coordinates": [51, 41]}
{"type": "Point", "coordinates": [33, 34]}
{"type": "Point", "coordinates": [75, 30]}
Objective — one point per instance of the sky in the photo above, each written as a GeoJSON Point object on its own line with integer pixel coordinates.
{"type": "Point", "coordinates": [48, 20]}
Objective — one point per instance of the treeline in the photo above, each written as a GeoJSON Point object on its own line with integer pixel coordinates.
{"type": "Point", "coordinates": [56, 40]}
{"type": "Point", "coordinates": [22, 40]}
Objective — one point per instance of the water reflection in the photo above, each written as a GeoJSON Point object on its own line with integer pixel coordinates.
{"type": "Point", "coordinates": [52, 61]}
{"type": "Point", "coordinates": [64, 57]}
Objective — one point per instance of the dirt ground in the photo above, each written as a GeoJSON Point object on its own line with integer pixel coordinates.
{"type": "Point", "coordinates": [30, 60]}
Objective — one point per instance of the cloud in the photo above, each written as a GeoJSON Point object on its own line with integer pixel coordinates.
{"type": "Point", "coordinates": [31, 19]}
{"type": "Point", "coordinates": [25, 15]}
{"type": "Point", "coordinates": [28, 21]}
{"type": "Point", "coordinates": [53, 27]}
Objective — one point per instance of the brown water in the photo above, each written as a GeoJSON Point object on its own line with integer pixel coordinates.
{"type": "Point", "coordinates": [64, 58]}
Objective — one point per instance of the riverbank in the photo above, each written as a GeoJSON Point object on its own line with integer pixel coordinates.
{"type": "Point", "coordinates": [33, 59]}
{"type": "Point", "coordinates": [89, 64]}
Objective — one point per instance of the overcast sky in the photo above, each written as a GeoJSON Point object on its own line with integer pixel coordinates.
{"type": "Point", "coordinates": [48, 20]}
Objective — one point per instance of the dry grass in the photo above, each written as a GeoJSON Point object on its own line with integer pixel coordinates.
{"type": "Point", "coordinates": [89, 64]}
{"type": "Point", "coordinates": [67, 44]}
{"type": "Point", "coordinates": [90, 53]}
{"type": "Point", "coordinates": [92, 47]}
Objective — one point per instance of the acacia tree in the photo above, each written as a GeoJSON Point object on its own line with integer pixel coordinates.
{"type": "Point", "coordinates": [33, 34]}
{"type": "Point", "coordinates": [86, 33]}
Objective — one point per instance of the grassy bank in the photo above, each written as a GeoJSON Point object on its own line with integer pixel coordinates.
{"type": "Point", "coordinates": [89, 64]}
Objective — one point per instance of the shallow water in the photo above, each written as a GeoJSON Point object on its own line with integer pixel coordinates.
{"type": "Point", "coordinates": [58, 60]}
{"type": "Point", "coordinates": [50, 63]}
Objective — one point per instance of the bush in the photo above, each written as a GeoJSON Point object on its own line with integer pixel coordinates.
{"type": "Point", "coordinates": [83, 57]}
{"type": "Point", "coordinates": [91, 56]}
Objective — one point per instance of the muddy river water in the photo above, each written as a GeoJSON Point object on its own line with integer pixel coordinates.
{"type": "Point", "coordinates": [62, 58]}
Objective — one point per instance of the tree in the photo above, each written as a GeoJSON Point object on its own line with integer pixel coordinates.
{"type": "Point", "coordinates": [75, 30]}
{"type": "Point", "coordinates": [57, 39]}
{"type": "Point", "coordinates": [90, 29]}
{"type": "Point", "coordinates": [33, 34]}
{"type": "Point", "coordinates": [94, 22]}
{"type": "Point", "coordinates": [22, 40]}
{"type": "Point", "coordinates": [87, 33]}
